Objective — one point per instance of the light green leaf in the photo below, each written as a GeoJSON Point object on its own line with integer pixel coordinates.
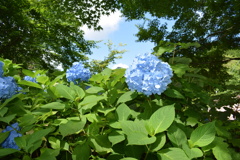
{"type": "Point", "coordinates": [66, 92]}
{"type": "Point", "coordinates": [116, 137]}
{"type": "Point", "coordinates": [128, 158]}
{"type": "Point", "coordinates": [42, 79]}
{"type": "Point", "coordinates": [161, 119]}
{"type": "Point", "coordinates": [193, 152]}
{"type": "Point", "coordinates": [94, 89]}
{"type": "Point", "coordinates": [71, 127]}
{"type": "Point", "coordinates": [123, 112]}
{"type": "Point", "coordinates": [159, 143]}
{"type": "Point", "coordinates": [220, 151]}
{"type": "Point", "coordinates": [203, 135]}
{"type": "Point", "coordinates": [136, 133]}
{"type": "Point", "coordinates": [54, 105]}
{"type": "Point", "coordinates": [173, 93]}
{"type": "Point", "coordinates": [176, 135]}
{"type": "Point", "coordinates": [101, 144]}
{"type": "Point", "coordinates": [28, 73]}
{"type": "Point", "coordinates": [128, 96]}
{"type": "Point", "coordinates": [30, 84]}
{"type": "Point", "coordinates": [173, 154]}
{"type": "Point", "coordinates": [80, 92]}
{"type": "Point", "coordinates": [180, 69]}
{"type": "Point", "coordinates": [55, 143]}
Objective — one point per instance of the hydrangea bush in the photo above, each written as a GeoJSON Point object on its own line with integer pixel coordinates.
{"type": "Point", "coordinates": [31, 79]}
{"type": "Point", "coordinates": [61, 120]}
{"type": "Point", "coordinates": [78, 73]}
{"type": "Point", "coordinates": [148, 75]}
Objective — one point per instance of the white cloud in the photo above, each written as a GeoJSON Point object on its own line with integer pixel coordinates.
{"type": "Point", "coordinates": [121, 65]}
{"type": "Point", "coordinates": [109, 24]}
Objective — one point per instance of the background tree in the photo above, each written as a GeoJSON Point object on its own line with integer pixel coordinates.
{"type": "Point", "coordinates": [44, 33]}
{"type": "Point", "coordinates": [213, 24]}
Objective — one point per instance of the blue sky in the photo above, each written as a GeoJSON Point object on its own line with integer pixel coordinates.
{"type": "Point", "coordinates": [116, 29]}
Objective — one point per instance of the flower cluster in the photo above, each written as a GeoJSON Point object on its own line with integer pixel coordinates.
{"type": "Point", "coordinates": [9, 141]}
{"type": "Point", "coordinates": [8, 86]}
{"type": "Point", "coordinates": [78, 73]}
{"type": "Point", "coordinates": [31, 79]}
{"type": "Point", "coordinates": [148, 75]}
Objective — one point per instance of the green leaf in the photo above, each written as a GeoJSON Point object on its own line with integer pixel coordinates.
{"type": "Point", "coordinates": [81, 152]}
{"type": "Point", "coordinates": [42, 79]}
{"type": "Point", "coordinates": [173, 93]}
{"type": "Point", "coordinates": [30, 84]}
{"type": "Point", "coordinates": [161, 119]}
{"type": "Point", "coordinates": [66, 92]}
{"type": "Point", "coordinates": [71, 127]}
{"type": "Point", "coordinates": [8, 118]}
{"type": "Point", "coordinates": [93, 90]}
{"type": "Point", "coordinates": [3, 136]}
{"type": "Point", "coordinates": [116, 137]}
{"type": "Point", "coordinates": [136, 133]}
{"type": "Point", "coordinates": [123, 112]}
{"type": "Point", "coordinates": [128, 158]}
{"type": "Point", "coordinates": [173, 154]}
{"type": "Point", "coordinates": [180, 69]}
{"type": "Point", "coordinates": [128, 96]}
{"type": "Point", "coordinates": [176, 135]}
{"type": "Point", "coordinates": [54, 105]}
{"type": "Point", "coordinates": [159, 143]}
{"type": "Point", "coordinates": [7, 151]}
{"type": "Point", "coordinates": [80, 92]}
{"type": "Point", "coordinates": [27, 119]}
{"type": "Point", "coordinates": [193, 152]}
{"type": "Point", "coordinates": [48, 154]}
{"type": "Point", "coordinates": [203, 135]}
{"type": "Point", "coordinates": [28, 73]}
{"type": "Point", "coordinates": [101, 144]}
{"type": "Point", "coordinates": [55, 143]}
{"type": "Point", "coordinates": [220, 151]}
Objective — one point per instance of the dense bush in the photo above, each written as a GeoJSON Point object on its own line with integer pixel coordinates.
{"type": "Point", "coordinates": [101, 118]}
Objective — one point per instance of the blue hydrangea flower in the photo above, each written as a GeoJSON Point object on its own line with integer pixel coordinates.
{"type": "Point", "coordinates": [148, 75]}
{"type": "Point", "coordinates": [78, 73]}
{"type": "Point", "coordinates": [28, 78]}
{"type": "Point", "coordinates": [1, 69]}
{"type": "Point", "coordinates": [8, 87]}
{"type": "Point", "coordinates": [9, 141]}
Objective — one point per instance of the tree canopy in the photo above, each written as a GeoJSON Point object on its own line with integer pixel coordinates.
{"type": "Point", "coordinates": [41, 33]}
{"type": "Point", "coordinates": [212, 24]}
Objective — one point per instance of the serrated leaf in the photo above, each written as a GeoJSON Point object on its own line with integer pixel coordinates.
{"type": "Point", "coordinates": [173, 154]}
{"type": "Point", "coordinates": [161, 119]}
{"type": "Point", "coordinates": [203, 135]}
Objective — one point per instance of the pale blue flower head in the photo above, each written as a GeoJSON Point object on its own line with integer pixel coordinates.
{"type": "Point", "coordinates": [148, 75]}
{"type": "Point", "coordinates": [31, 79]}
{"type": "Point", "coordinates": [9, 141]}
{"type": "Point", "coordinates": [8, 87]}
{"type": "Point", "coordinates": [1, 68]}
{"type": "Point", "coordinates": [78, 73]}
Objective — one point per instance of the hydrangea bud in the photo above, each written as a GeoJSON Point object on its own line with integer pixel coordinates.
{"type": "Point", "coordinates": [28, 78]}
{"type": "Point", "coordinates": [148, 75]}
{"type": "Point", "coordinates": [8, 87]}
{"type": "Point", "coordinates": [78, 73]}
{"type": "Point", "coordinates": [9, 141]}
{"type": "Point", "coordinates": [1, 68]}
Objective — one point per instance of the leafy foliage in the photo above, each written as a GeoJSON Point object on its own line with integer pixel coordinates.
{"type": "Point", "coordinates": [62, 120]}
